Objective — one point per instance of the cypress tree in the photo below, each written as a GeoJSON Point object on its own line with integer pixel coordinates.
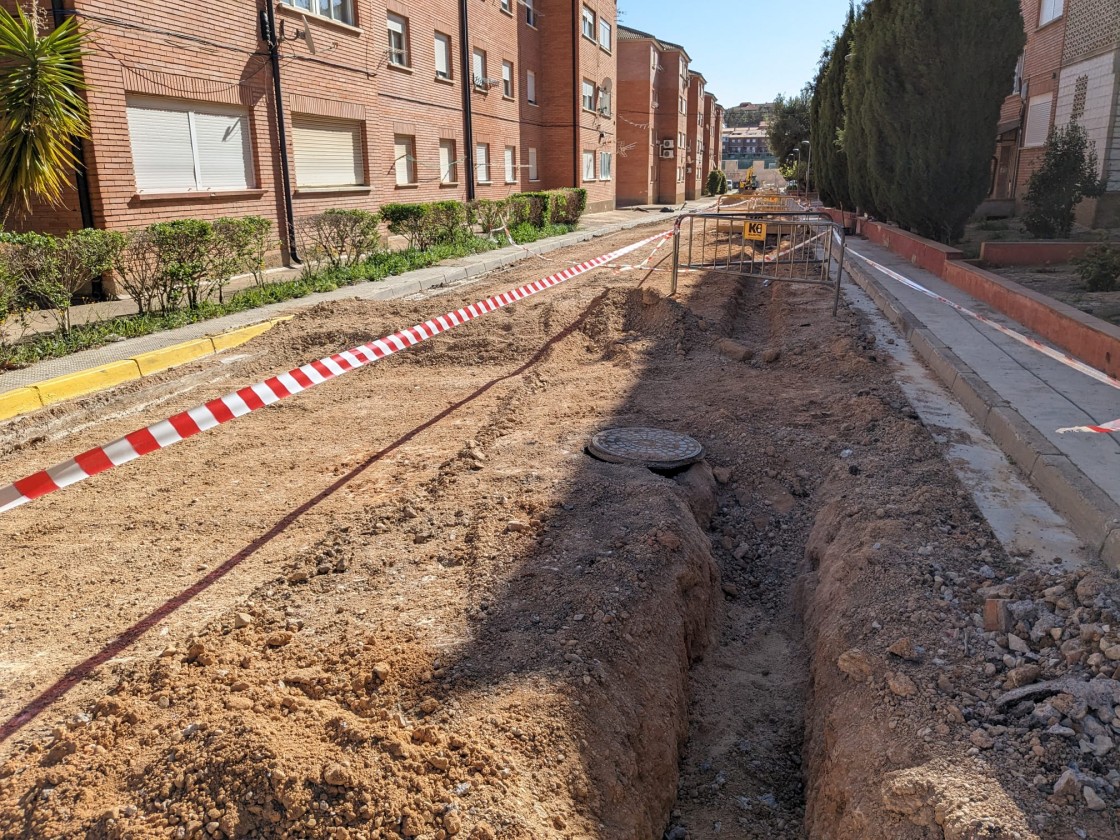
{"type": "Point", "coordinates": [960, 57]}
{"type": "Point", "coordinates": [830, 164]}
{"type": "Point", "coordinates": [922, 99]}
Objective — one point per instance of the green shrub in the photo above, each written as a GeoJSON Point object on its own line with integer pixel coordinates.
{"type": "Point", "coordinates": [140, 274]}
{"type": "Point", "coordinates": [711, 187]}
{"type": "Point", "coordinates": [525, 232]}
{"type": "Point", "coordinates": [1100, 269]}
{"type": "Point", "coordinates": [407, 220]}
{"type": "Point", "coordinates": [184, 249]}
{"type": "Point", "coordinates": [567, 205]}
{"type": "Point", "coordinates": [446, 223]}
{"type": "Point", "coordinates": [1068, 174]}
{"type": "Point", "coordinates": [240, 248]}
{"type": "Point", "coordinates": [488, 214]}
{"type": "Point", "coordinates": [339, 237]}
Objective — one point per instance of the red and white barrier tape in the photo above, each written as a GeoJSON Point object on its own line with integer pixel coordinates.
{"type": "Point", "coordinates": [205, 417]}
{"type": "Point", "coordinates": [1057, 355]}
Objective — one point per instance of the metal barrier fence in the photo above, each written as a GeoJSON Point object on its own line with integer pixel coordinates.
{"type": "Point", "coordinates": [782, 246]}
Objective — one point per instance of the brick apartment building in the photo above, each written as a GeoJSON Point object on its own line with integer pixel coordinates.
{"type": "Point", "coordinates": [373, 95]}
{"type": "Point", "coordinates": [669, 127]}
{"type": "Point", "coordinates": [1068, 71]}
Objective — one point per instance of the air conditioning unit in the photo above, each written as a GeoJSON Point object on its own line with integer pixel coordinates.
{"type": "Point", "coordinates": [668, 154]}
{"type": "Point", "coordinates": [668, 144]}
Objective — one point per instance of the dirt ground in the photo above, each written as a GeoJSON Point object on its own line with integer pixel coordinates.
{"type": "Point", "coordinates": [408, 604]}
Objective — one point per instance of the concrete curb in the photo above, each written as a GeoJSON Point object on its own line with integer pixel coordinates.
{"type": "Point", "coordinates": [1094, 517]}
{"type": "Point", "coordinates": [89, 381]}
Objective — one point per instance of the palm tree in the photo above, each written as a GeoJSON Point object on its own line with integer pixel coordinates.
{"type": "Point", "coordinates": [41, 109]}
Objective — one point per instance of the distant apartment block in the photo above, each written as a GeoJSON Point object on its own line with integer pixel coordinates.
{"type": "Point", "coordinates": [1068, 72]}
{"type": "Point", "coordinates": [669, 126]}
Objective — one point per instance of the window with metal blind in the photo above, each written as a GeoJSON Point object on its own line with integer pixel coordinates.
{"type": "Point", "coordinates": [531, 87]}
{"type": "Point", "coordinates": [588, 95]}
{"type": "Point", "coordinates": [507, 79]}
{"type": "Point", "coordinates": [510, 161]}
{"type": "Point", "coordinates": [530, 12]}
{"type": "Point", "coordinates": [588, 23]}
{"type": "Point", "coordinates": [478, 67]}
{"type": "Point", "coordinates": [404, 159]}
{"type": "Point", "coordinates": [482, 162]}
{"type": "Point", "coordinates": [328, 152]}
{"type": "Point", "coordinates": [604, 166]}
{"type": "Point", "coordinates": [187, 147]}
{"type": "Point", "coordinates": [534, 175]}
{"type": "Point", "coordinates": [448, 165]}
{"type": "Point", "coordinates": [443, 56]}
{"type": "Point", "coordinates": [605, 35]}
{"type": "Point", "coordinates": [398, 40]}
{"type": "Point", "coordinates": [588, 166]}
{"type": "Point", "coordinates": [1038, 121]}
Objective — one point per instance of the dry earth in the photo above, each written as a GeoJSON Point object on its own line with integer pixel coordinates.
{"type": "Point", "coordinates": [408, 604]}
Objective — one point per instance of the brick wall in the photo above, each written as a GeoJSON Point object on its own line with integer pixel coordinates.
{"type": "Point", "coordinates": [637, 155]}
{"type": "Point", "coordinates": [216, 60]}
{"type": "Point", "coordinates": [670, 124]}
{"type": "Point", "coordinates": [694, 156]}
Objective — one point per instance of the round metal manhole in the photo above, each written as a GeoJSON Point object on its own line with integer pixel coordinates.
{"type": "Point", "coordinates": [658, 449]}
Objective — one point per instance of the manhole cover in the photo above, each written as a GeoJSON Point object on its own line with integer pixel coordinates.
{"type": "Point", "coordinates": [658, 449]}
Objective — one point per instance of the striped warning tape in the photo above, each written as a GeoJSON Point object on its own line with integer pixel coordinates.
{"type": "Point", "coordinates": [1057, 355]}
{"type": "Point", "coordinates": [216, 412]}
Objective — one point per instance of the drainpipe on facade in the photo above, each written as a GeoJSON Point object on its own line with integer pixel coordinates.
{"type": "Point", "coordinates": [271, 39]}
{"type": "Point", "coordinates": [81, 183]}
{"type": "Point", "coordinates": [577, 86]}
{"type": "Point", "coordinates": [465, 72]}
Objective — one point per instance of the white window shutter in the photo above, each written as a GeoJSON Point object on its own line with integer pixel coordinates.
{"type": "Point", "coordinates": [224, 157]}
{"type": "Point", "coordinates": [328, 152]}
{"type": "Point", "coordinates": [1038, 121]}
{"type": "Point", "coordinates": [162, 155]}
{"type": "Point", "coordinates": [533, 176]}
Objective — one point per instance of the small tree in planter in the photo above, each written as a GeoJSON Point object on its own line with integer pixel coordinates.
{"type": "Point", "coordinates": [1067, 175]}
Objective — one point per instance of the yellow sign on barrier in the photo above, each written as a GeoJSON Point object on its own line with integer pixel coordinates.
{"type": "Point", "coordinates": [755, 231]}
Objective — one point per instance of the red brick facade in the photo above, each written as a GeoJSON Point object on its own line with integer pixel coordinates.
{"type": "Point", "coordinates": [214, 57]}
{"type": "Point", "coordinates": [664, 125]}
{"type": "Point", "coordinates": [1017, 154]}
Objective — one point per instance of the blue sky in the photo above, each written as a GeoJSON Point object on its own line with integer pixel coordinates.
{"type": "Point", "coordinates": [748, 50]}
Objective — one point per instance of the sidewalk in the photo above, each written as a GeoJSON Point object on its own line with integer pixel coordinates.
{"type": "Point", "coordinates": [457, 270]}
{"type": "Point", "coordinates": [1017, 395]}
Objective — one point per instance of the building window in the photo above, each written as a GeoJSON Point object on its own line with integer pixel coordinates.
{"type": "Point", "coordinates": [684, 106]}
{"type": "Point", "coordinates": [482, 162]}
{"type": "Point", "coordinates": [1051, 10]}
{"type": "Point", "coordinates": [604, 35]}
{"type": "Point", "coordinates": [479, 67]}
{"type": "Point", "coordinates": [448, 165]}
{"type": "Point", "coordinates": [588, 24]}
{"type": "Point", "coordinates": [604, 100]}
{"type": "Point", "coordinates": [183, 147]}
{"type": "Point", "coordinates": [510, 161]}
{"type": "Point", "coordinates": [604, 166]}
{"type": "Point", "coordinates": [1038, 121]}
{"type": "Point", "coordinates": [588, 95]}
{"type": "Point", "coordinates": [398, 40]}
{"type": "Point", "coordinates": [507, 80]}
{"type": "Point", "coordinates": [328, 152]}
{"type": "Point", "coordinates": [507, 6]}
{"type": "Point", "coordinates": [340, 10]}
{"type": "Point", "coordinates": [588, 166]}
{"type": "Point", "coordinates": [534, 175]}
{"type": "Point", "coordinates": [404, 159]}
{"type": "Point", "coordinates": [530, 12]}
{"type": "Point", "coordinates": [443, 56]}
{"type": "Point", "coordinates": [531, 87]}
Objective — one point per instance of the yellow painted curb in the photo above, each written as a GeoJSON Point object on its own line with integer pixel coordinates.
{"type": "Point", "coordinates": [173, 356]}
{"type": "Point", "coordinates": [86, 381]}
{"type": "Point", "coordinates": [236, 337]}
{"type": "Point", "coordinates": [23, 400]}
{"type": "Point", "coordinates": [19, 401]}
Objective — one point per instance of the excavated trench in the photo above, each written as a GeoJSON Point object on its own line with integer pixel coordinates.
{"type": "Point", "coordinates": [461, 625]}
